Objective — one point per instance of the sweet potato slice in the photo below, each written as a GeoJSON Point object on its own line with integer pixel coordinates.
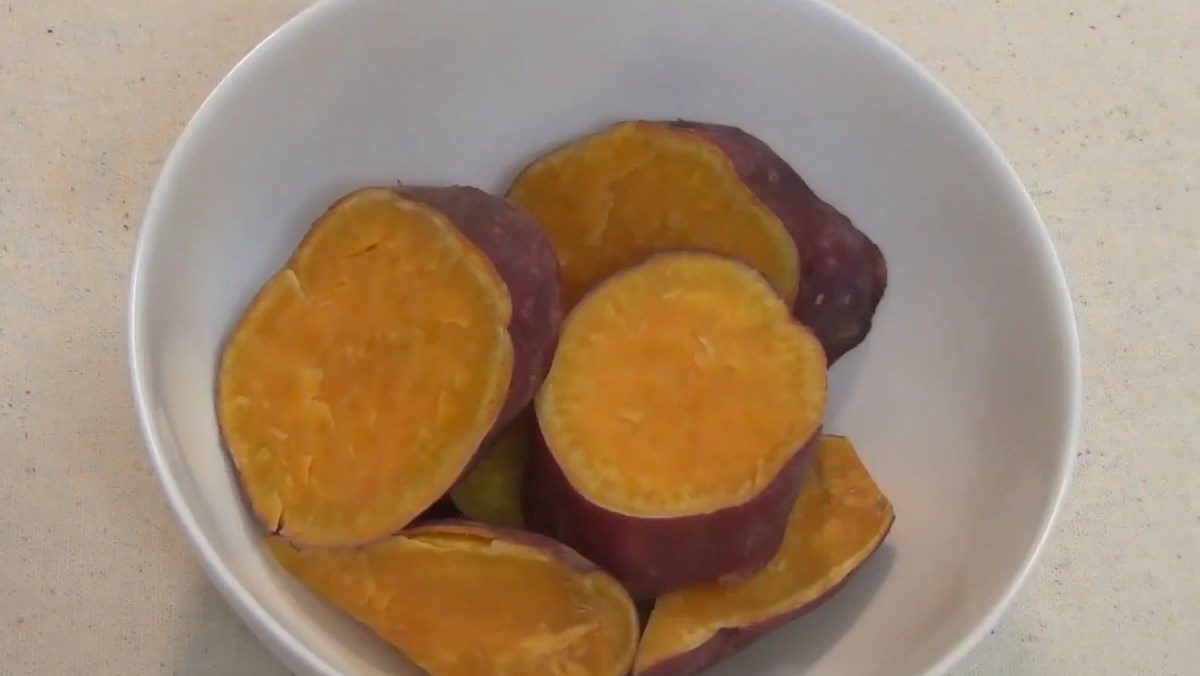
{"type": "Point", "coordinates": [675, 421]}
{"type": "Point", "coordinates": [637, 188]}
{"type": "Point", "coordinates": [361, 381]}
{"type": "Point", "coordinates": [839, 519]}
{"type": "Point", "coordinates": [610, 199]}
{"type": "Point", "coordinates": [466, 599]}
{"type": "Point", "coordinates": [491, 491]}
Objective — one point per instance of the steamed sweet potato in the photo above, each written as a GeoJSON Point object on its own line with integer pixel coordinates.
{"type": "Point", "coordinates": [363, 378]}
{"type": "Point", "coordinates": [675, 423]}
{"type": "Point", "coordinates": [462, 599]}
{"type": "Point", "coordinates": [491, 491]}
{"type": "Point", "coordinates": [838, 521]}
{"type": "Point", "coordinates": [637, 188]}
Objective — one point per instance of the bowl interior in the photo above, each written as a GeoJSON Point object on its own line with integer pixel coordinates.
{"type": "Point", "coordinates": [963, 400]}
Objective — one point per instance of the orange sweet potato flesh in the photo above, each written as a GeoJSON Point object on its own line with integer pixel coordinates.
{"type": "Point", "coordinates": [840, 518]}
{"type": "Point", "coordinates": [610, 199]}
{"type": "Point", "coordinates": [491, 491]}
{"type": "Point", "coordinates": [363, 377]}
{"type": "Point", "coordinates": [676, 419]}
{"type": "Point", "coordinates": [462, 599]}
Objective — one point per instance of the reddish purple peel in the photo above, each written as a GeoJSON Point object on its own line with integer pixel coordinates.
{"type": "Point", "coordinates": [842, 272]}
{"type": "Point", "coordinates": [727, 543]}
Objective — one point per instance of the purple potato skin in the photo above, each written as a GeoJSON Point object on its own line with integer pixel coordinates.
{"type": "Point", "coordinates": [842, 272]}
{"type": "Point", "coordinates": [526, 261]}
{"type": "Point", "coordinates": [728, 641]}
{"type": "Point", "coordinates": [653, 556]}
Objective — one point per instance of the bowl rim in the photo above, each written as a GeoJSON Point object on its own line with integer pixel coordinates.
{"type": "Point", "coordinates": [293, 652]}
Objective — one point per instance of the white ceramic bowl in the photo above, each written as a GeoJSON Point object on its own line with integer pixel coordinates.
{"type": "Point", "coordinates": [964, 399]}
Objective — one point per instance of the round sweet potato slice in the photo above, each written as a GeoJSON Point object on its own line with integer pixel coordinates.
{"type": "Point", "coordinates": [840, 518]}
{"type": "Point", "coordinates": [675, 423]}
{"type": "Point", "coordinates": [363, 378]}
{"type": "Point", "coordinates": [465, 599]}
{"type": "Point", "coordinates": [637, 188]}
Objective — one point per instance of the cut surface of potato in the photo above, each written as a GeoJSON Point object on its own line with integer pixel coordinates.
{"type": "Point", "coordinates": [675, 423]}
{"type": "Point", "coordinates": [365, 374]}
{"type": "Point", "coordinates": [610, 199]}
{"type": "Point", "coordinates": [680, 387]}
{"type": "Point", "coordinates": [839, 519]}
{"type": "Point", "coordinates": [465, 599]}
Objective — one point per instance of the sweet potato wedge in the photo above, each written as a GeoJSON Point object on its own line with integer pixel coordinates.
{"type": "Point", "coordinates": [360, 383]}
{"type": "Point", "coordinates": [491, 491]}
{"type": "Point", "coordinates": [463, 599]}
{"type": "Point", "coordinates": [838, 521]}
{"type": "Point", "coordinates": [636, 188]}
{"type": "Point", "coordinates": [675, 423]}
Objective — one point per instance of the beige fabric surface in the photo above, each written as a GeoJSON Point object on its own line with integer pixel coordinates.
{"type": "Point", "coordinates": [1096, 102]}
